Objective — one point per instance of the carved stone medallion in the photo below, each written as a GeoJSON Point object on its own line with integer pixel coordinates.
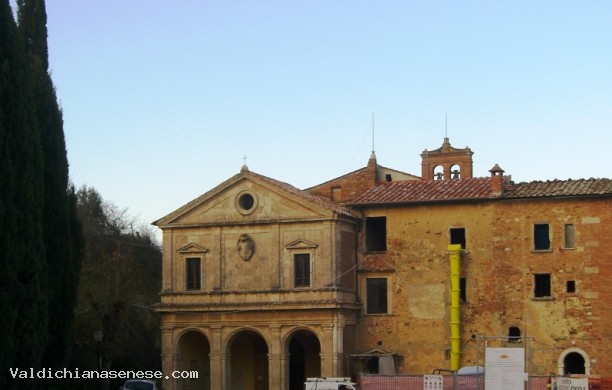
{"type": "Point", "coordinates": [246, 247]}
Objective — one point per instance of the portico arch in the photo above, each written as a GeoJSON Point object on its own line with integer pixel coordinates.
{"type": "Point", "coordinates": [247, 355]}
{"type": "Point", "coordinates": [193, 354]}
{"type": "Point", "coordinates": [303, 351]}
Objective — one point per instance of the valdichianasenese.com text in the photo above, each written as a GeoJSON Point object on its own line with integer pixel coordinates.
{"type": "Point", "coordinates": [48, 373]}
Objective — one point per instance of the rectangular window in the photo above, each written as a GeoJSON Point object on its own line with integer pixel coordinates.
{"type": "Point", "coordinates": [193, 271]}
{"type": "Point", "coordinates": [541, 236]}
{"type": "Point", "coordinates": [376, 295]}
{"type": "Point", "coordinates": [376, 234]}
{"type": "Point", "coordinates": [569, 236]}
{"type": "Point", "coordinates": [457, 236]}
{"type": "Point", "coordinates": [336, 194]}
{"type": "Point", "coordinates": [301, 263]}
{"type": "Point", "coordinates": [541, 286]}
{"type": "Point", "coordinates": [571, 286]}
{"type": "Point", "coordinates": [463, 290]}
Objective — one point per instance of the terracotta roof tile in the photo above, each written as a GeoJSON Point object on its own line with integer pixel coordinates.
{"type": "Point", "coordinates": [559, 188]}
{"type": "Point", "coordinates": [415, 191]}
{"type": "Point", "coordinates": [321, 201]}
{"type": "Point", "coordinates": [420, 191]}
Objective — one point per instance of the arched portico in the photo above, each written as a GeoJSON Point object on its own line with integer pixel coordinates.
{"type": "Point", "coordinates": [303, 352]}
{"type": "Point", "coordinates": [193, 354]}
{"type": "Point", "coordinates": [246, 360]}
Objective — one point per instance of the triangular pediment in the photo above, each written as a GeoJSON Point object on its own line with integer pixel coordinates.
{"type": "Point", "coordinates": [192, 248]}
{"type": "Point", "coordinates": [251, 198]}
{"type": "Point", "coordinates": [301, 244]}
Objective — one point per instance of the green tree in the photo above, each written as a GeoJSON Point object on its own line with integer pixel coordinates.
{"type": "Point", "coordinates": [23, 284]}
{"type": "Point", "coordinates": [62, 243]}
{"type": "Point", "coordinates": [119, 282]}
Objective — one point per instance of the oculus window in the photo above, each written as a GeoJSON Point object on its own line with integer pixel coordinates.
{"type": "Point", "coordinates": [246, 202]}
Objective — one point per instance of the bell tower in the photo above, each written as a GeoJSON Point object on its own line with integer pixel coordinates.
{"type": "Point", "coordinates": [446, 162]}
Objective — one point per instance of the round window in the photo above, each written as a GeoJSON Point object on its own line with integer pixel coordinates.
{"type": "Point", "coordinates": [245, 203]}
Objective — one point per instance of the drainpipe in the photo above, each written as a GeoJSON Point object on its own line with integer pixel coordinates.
{"type": "Point", "coordinates": [454, 251]}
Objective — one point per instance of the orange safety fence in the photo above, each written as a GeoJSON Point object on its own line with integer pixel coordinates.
{"type": "Point", "coordinates": [458, 382]}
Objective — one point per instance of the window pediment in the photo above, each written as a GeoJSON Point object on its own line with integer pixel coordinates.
{"type": "Point", "coordinates": [192, 248]}
{"type": "Point", "coordinates": [301, 244]}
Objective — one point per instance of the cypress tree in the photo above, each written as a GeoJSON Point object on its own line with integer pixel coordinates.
{"type": "Point", "coordinates": [60, 226]}
{"type": "Point", "coordinates": [23, 284]}
{"type": "Point", "coordinates": [8, 278]}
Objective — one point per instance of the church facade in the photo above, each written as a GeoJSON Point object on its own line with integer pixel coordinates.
{"type": "Point", "coordinates": [265, 284]}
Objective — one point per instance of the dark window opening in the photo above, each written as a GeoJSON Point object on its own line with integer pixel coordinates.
{"type": "Point", "coordinates": [457, 236]}
{"type": "Point", "coordinates": [574, 364]}
{"type": "Point", "coordinates": [194, 276]}
{"type": "Point", "coordinates": [246, 201]}
{"type": "Point", "coordinates": [463, 290]}
{"type": "Point", "coordinates": [388, 177]}
{"type": "Point", "coordinates": [376, 234]}
{"type": "Point", "coordinates": [571, 286]}
{"type": "Point", "coordinates": [302, 269]}
{"type": "Point", "coordinates": [541, 285]}
{"type": "Point", "coordinates": [514, 334]}
{"type": "Point", "coordinates": [372, 365]}
{"type": "Point", "coordinates": [541, 236]}
{"type": "Point", "coordinates": [569, 236]}
{"type": "Point", "coordinates": [376, 295]}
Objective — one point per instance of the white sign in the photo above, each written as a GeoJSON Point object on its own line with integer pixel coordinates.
{"type": "Point", "coordinates": [433, 382]}
{"type": "Point", "coordinates": [570, 384]}
{"type": "Point", "coordinates": [505, 369]}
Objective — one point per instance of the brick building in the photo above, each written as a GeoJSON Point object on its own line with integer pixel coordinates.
{"type": "Point", "coordinates": [265, 284]}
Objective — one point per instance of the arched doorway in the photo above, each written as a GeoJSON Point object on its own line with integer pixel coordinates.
{"type": "Point", "coordinates": [194, 355]}
{"type": "Point", "coordinates": [573, 364]}
{"type": "Point", "coordinates": [304, 352]}
{"type": "Point", "coordinates": [248, 369]}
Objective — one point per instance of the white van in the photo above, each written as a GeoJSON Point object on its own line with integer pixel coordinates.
{"type": "Point", "coordinates": [329, 384]}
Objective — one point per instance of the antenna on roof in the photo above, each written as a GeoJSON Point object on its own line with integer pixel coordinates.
{"type": "Point", "coordinates": [446, 125]}
{"type": "Point", "coordinates": [373, 133]}
{"type": "Point", "coordinates": [373, 155]}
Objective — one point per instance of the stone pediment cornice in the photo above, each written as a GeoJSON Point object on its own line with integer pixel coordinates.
{"type": "Point", "coordinates": [192, 248]}
{"type": "Point", "coordinates": [301, 244]}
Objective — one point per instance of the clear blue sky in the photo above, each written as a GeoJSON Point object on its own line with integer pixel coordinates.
{"type": "Point", "coordinates": [162, 99]}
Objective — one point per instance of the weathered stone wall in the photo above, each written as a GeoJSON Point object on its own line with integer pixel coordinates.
{"type": "Point", "coordinates": [499, 266]}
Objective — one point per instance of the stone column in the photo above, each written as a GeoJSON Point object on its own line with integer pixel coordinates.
{"type": "Point", "coordinates": [327, 351]}
{"type": "Point", "coordinates": [169, 358]}
{"type": "Point", "coordinates": [274, 356]}
{"type": "Point", "coordinates": [338, 356]}
{"type": "Point", "coordinates": [332, 351]}
{"type": "Point", "coordinates": [216, 359]}
{"type": "Point", "coordinates": [177, 365]}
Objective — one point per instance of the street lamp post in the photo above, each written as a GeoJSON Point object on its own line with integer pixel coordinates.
{"type": "Point", "coordinates": [98, 335]}
{"type": "Point", "coordinates": [98, 338]}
